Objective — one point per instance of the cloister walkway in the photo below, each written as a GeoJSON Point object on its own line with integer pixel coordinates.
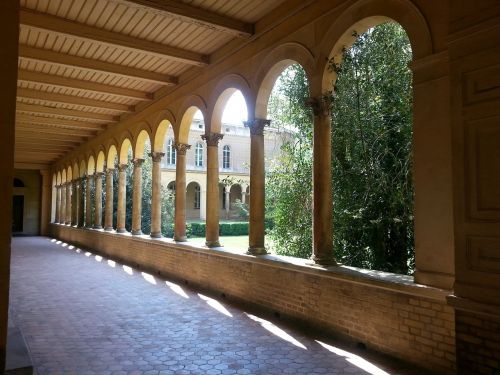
{"type": "Point", "coordinates": [83, 314]}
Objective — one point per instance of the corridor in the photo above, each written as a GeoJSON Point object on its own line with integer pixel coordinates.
{"type": "Point", "coordinates": [84, 314]}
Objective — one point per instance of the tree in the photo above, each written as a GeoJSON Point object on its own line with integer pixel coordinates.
{"type": "Point", "coordinates": [371, 156]}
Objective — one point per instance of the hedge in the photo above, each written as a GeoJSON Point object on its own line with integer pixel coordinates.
{"type": "Point", "coordinates": [197, 229]}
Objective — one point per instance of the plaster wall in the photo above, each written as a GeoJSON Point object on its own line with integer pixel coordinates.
{"type": "Point", "coordinates": [32, 199]}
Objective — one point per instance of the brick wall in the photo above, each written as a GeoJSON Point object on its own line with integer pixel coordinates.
{"type": "Point", "coordinates": [408, 321]}
{"type": "Point", "coordinates": [478, 343]}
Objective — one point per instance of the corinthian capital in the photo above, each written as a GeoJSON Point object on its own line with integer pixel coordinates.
{"type": "Point", "coordinates": [156, 156]}
{"type": "Point", "coordinates": [137, 162]}
{"type": "Point", "coordinates": [212, 139]}
{"type": "Point", "coordinates": [182, 148]}
{"type": "Point", "coordinates": [257, 125]}
{"type": "Point", "coordinates": [320, 106]}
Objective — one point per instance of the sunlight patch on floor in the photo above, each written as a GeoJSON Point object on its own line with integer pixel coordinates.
{"type": "Point", "coordinates": [177, 289]}
{"type": "Point", "coordinates": [354, 359]}
{"type": "Point", "coordinates": [277, 331]}
{"type": "Point", "coordinates": [149, 278]}
{"type": "Point", "coordinates": [215, 305]}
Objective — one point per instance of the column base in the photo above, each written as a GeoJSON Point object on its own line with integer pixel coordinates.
{"type": "Point", "coordinates": [121, 230]}
{"type": "Point", "coordinates": [108, 229]}
{"type": "Point", "coordinates": [320, 261]}
{"type": "Point", "coordinates": [156, 235]}
{"type": "Point", "coordinates": [88, 227]}
{"type": "Point", "coordinates": [212, 243]}
{"type": "Point", "coordinates": [181, 239]}
{"type": "Point", "coordinates": [253, 250]}
{"type": "Point", "coordinates": [97, 226]}
{"type": "Point", "coordinates": [137, 232]}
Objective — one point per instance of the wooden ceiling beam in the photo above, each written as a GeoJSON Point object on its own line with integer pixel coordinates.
{"type": "Point", "coordinates": [75, 114]}
{"type": "Point", "coordinates": [30, 134]}
{"type": "Point", "coordinates": [68, 99]}
{"type": "Point", "coordinates": [45, 143]}
{"type": "Point", "coordinates": [58, 122]}
{"type": "Point", "coordinates": [55, 130]}
{"type": "Point", "coordinates": [41, 149]}
{"type": "Point", "coordinates": [69, 61]}
{"type": "Point", "coordinates": [82, 31]}
{"type": "Point", "coordinates": [194, 15]}
{"type": "Point", "coordinates": [94, 87]}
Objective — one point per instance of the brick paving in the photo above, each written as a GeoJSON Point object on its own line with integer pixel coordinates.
{"type": "Point", "coordinates": [84, 314]}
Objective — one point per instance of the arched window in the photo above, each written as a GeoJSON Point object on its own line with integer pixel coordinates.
{"type": "Point", "coordinates": [226, 157]}
{"type": "Point", "coordinates": [18, 182]}
{"type": "Point", "coordinates": [198, 155]}
{"type": "Point", "coordinates": [171, 152]}
{"type": "Point", "coordinates": [197, 197]}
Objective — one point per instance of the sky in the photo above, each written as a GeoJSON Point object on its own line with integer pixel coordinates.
{"type": "Point", "coordinates": [235, 111]}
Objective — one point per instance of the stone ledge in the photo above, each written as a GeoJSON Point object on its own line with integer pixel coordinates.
{"type": "Point", "coordinates": [378, 279]}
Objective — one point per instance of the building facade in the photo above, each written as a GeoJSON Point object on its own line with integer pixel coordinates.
{"type": "Point", "coordinates": [234, 167]}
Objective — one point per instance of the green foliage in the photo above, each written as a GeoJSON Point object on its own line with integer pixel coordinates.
{"type": "Point", "coordinates": [241, 209]}
{"type": "Point", "coordinates": [289, 178]}
{"type": "Point", "coordinates": [372, 139]}
{"type": "Point", "coordinates": [197, 229]}
{"type": "Point", "coordinates": [371, 161]}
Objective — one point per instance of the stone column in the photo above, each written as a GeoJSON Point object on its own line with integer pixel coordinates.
{"type": "Point", "coordinates": [256, 233]}
{"type": "Point", "coordinates": [81, 203]}
{"type": "Point", "coordinates": [69, 200]}
{"type": "Point", "coordinates": [74, 202]}
{"type": "Point", "coordinates": [137, 197]}
{"type": "Point", "coordinates": [203, 204]}
{"type": "Point", "coordinates": [227, 196]}
{"type": "Point", "coordinates": [156, 195]}
{"type": "Point", "coordinates": [108, 210]}
{"type": "Point", "coordinates": [212, 221]}
{"type": "Point", "coordinates": [58, 204]}
{"type": "Point", "coordinates": [180, 192]}
{"type": "Point", "coordinates": [88, 202]}
{"type": "Point", "coordinates": [62, 217]}
{"type": "Point", "coordinates": [243, 194]}
{"type": "Point", "coordinates": [322, 183]}
{"type": "Point", "coordinates": [98, 200]}
{"type": "Point", "coordinates": [122, 195]}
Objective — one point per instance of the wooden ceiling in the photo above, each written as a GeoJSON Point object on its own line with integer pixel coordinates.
{"type": "Point", "coordinates": [84, 63]}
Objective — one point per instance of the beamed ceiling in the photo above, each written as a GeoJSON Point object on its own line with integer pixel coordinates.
{"type": "Point", "coordinates": [84, 63]}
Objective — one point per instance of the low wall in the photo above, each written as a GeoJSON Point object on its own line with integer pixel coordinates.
{"type": "Point", "coordinates": [386, 312]}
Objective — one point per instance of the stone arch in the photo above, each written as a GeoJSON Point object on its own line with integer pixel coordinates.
{"type": "Point", "coordinates": [126, 145]}
{"type": "Point", "coordinates": [187, 110]}
{"type": "Point", "coordinates": [100, 161]}
{"type": "Point", "coordinates": [91, 165]}
{"type": "Point", "coordinates": [76, 170]}
{"type": "Point", "coordinates": [59, 178]}
{"type": "Point", "coordinates": [160, 135]}
{"type": "Point", "coordinates": [221, 94]}
{"type": "Point", "coordinates": [360, 17]}
{"type": "Point", "coordinates": [140, 142]}
{"type": "Point", "coordinates": [160, 123]}
{"type": "Point", "coordinates": [69, 174]}
{"type": "Point", "coordinates": [63, 176]}
{"type": "Point", "coordinates": [83, 168]}
{"type": "Point", "coordinates": [111, 156]}
{"type": "Point", "coordinates": [273, 65]}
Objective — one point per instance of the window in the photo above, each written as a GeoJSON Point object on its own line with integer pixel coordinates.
{"type": "Point", "coordinates": [226, 157]}
{"type": "Point", "coordinates": [171, 152]}
{"type": "Point", "coordinates": [198, 155]}
{"type": "Point", "coordinates": [197, 197]}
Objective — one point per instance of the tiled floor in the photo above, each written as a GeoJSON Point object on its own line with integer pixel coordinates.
{"type": "Point", "coordinates": [82, 314]}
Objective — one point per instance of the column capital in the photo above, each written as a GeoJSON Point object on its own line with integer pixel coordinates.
{"type": "Point", "coordinates": [212, 139]}
{"type": "Point", "coordinates": [320, 106]}
{"type": "Point", "coordinates": [122, 167]}
{"type": "Point", "coordinates": [156, 156]}
{"type": "Point", "coordinates": [182, 148]}
{"type": "Point", "coordinates": [257, 125]}
{"type": "Point", "coordinates": [98, 174]}
{"type": "Point", "coordinates": [90, 177]}
{"type": "Point", "coordinates": [137, 162]}
{"type": "Point", "coordinates": [109, 170]}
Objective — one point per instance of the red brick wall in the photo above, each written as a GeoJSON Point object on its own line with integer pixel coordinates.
{"type": "Point", "coordinates": [407, 321]}
{"type": "Point", "coordinates": [478, 343]}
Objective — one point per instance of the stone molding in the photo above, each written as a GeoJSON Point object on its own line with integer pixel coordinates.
{"type": "Point", "coordinates": [182, 148]}
{"type": "Point", "coordinates": [156, 156]}
{"type": "Point", "coordinates": [137, 162]}
{"type": "Point", "coordinates": [257, 125]}
{"type": "Point", "coordinates": [122, 167]}
{"type": "Point", "coordinates": [320, 106]}
{"type": "Point", "coordinates": [212, 139]}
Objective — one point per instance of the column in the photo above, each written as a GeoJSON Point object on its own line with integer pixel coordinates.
{"type": "Point", "coordinates": [203, 203]}
{"type": "Point", "coordinates": [69, 199]}
{"type": "Point", "coordinates": [156, 194]}
{"type": "Point", "coordinates": [62, 217]}
{"type": "Point", "coordinates": [212, 221]}
{"type": "Point", "coordinates": [137, 197]}
{"type": "Point", "coordinates": [256, 233]}
{"type": "Point", "coordinates": [98, 200]}
{"type": "Point", "coordinates": [180, 192]}
{"type": "Point", "coordinates": [227, 194]}
{"type": "Point", "coordinates": [322, 183]}
{"type": "Point", "coordinates": [88, 203]}
{"type": "Point", "coordinates": [243, 194]}
{"type": "Point", "coordinates": [58, 204]}
{"type": "Point", "coordinates": [122, 190]}
{"type": "Point", "coordinates": [46, 199]}
{"type": "Point", "coordinates": [108, 209]}
{"type": "Point", "coordinates": [81, 203]}
{"type": "Point", "coordinates": [74, 202]}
